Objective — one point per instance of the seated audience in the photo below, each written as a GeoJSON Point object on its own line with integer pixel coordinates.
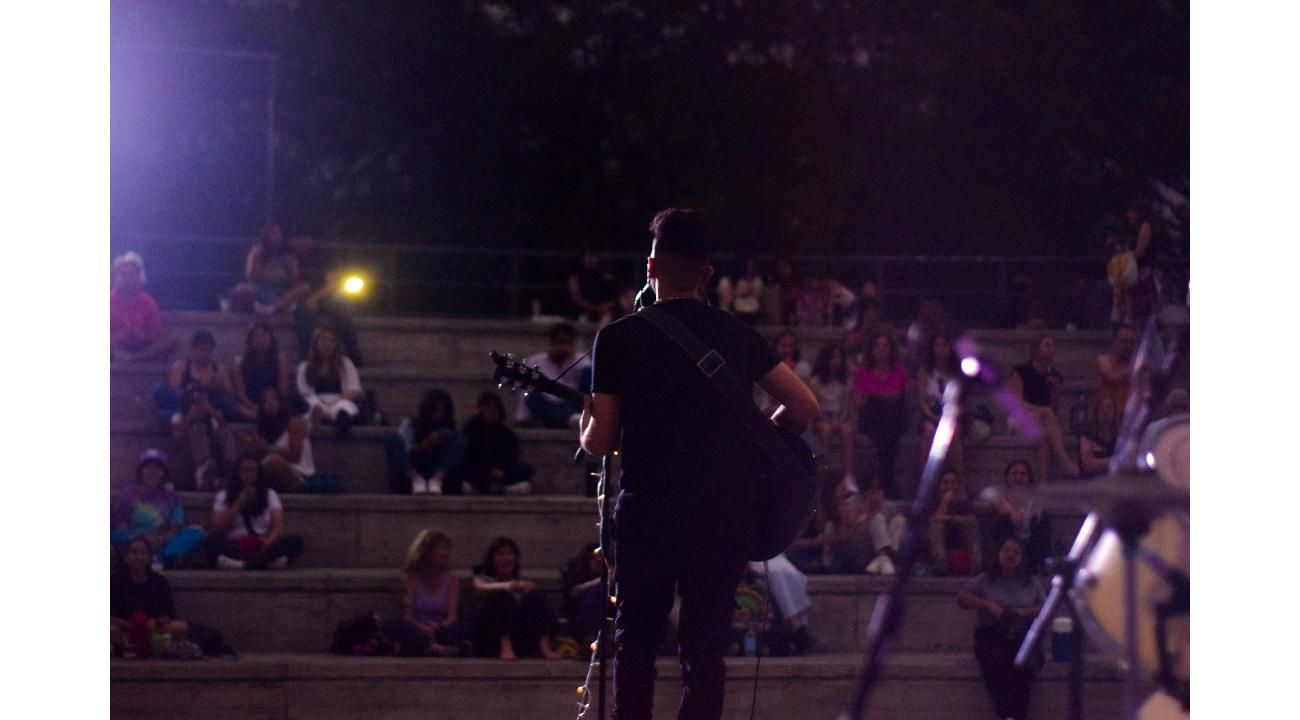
{"type": "Point", "coordinates": [878, 388]}
{"type": "Point", "coordinates": [743, 295]}
{"type": "Point", "coordinates": [136, 588]}
{"type": "Point", "coordinates": [1097, 442]}
{"type": "Point", "coordinates": [201, 436]}
{"type": "Point", "coordinates": [329, 384]}
{"type": "Point", "coordinates": [1114, 368]}
{"type": "Point", "coordinates": [150, 509]}
{"type": "Point", "coordinates": [1016, 514]}
{"type": "Point", "coordinates": [557, 363]}
{"type": "Point", "coordinates": [283, 440]}
{"type": "Point", "coordinates": [807, 552]}
{"type": "Point", "coordinates": [199, 370]}
{"type": "Point", "coordinates": [261, 366]}
{"type": "Point", "coordinates": [789, 589]}
{"type": "Point", "coordinates": [829, 383]}
{"type": "Point", "coordinates": [248, 523]}
{"type": "Point", "coordinates": [514, 619]}
{"type": "Point", "coordinates": [583, 604]}
{"type": "Point", "coordinates": [134, 318]}
{"type": "Point", "coordinates": [787, 349]}
{"type": "Point", "coordinates": [271, 281]}
{"type": "Point", "coordinates": [1036, 384]}
{"type": "Point", "coordinates": [938, 368]}
{"type": "Point", "coordinates": [431, 623]}
{"type": "Point", "coordinates": [781, 293]}
{"type": "Point", "coordinates": [492, 462]}
{"type": "Point", "coordinates": [325, 303]}
{"type": "Point", "coordinates": [427, 450]}
{"type": "Point", "coordinates": [953, 528]}
{"type": "Point", "coordinates": [867, 324]}
{"type": "Point", "coordinates": [1006, 599]}
{"type": "Point", "coordinates": [593, 290]}
{"type": "Point", "coordinates": [859, 538]}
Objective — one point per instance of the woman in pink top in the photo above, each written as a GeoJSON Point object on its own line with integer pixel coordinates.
{"type": "Point", "coordinates": [878, 394]}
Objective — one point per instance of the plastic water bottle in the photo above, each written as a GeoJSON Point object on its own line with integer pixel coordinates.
{"type": "Point", "coordinates": [750, 647]}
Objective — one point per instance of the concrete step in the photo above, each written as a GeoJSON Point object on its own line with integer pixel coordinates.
{"type": "Point", "coordinates": [358, 459]}
{"type": "Point", "coordinates": [462, 345]}
{"type": "Point", "coordinates": [296, 610]}
{"type": "Point", "coordinates": [373, 531]}
{"type": "Point", "coordinates": [913, 686]}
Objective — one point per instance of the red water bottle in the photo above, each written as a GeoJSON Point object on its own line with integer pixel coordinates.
{"type": "Point", "coordinates": [140, 634]}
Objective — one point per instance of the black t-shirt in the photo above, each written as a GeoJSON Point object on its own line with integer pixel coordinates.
{"type": "Point", "coordinates": [597, 286]}
{"type": "Point", "coordinates": [1037, 386]}
{"type": "Point", "coordinates": [154, 597]}
{"type": "Point", "coordinates": [678, 433]}
{"type": "Point", "coordinates": [490, 447]}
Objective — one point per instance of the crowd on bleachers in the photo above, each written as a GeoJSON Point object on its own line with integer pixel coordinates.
{"type": "Point", "coordinates": [244, 431]}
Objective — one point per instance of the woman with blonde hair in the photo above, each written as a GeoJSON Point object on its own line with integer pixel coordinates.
{"type": "Point", "coordinates": [430, 622]}
{"type": "Point", "coordinates": [328, 382]}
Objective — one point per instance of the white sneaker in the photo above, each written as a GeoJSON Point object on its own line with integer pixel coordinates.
{"type": "Point", "coordinates": [519, 488]}
{"type": "Point", "coordinates": [435, 486]}
{"type": "Point", "coordinates": [228, 563]}
{"type": "Point", "coordinates": [874, 567]}
{"type": "Point", "coordinates": [419, 486]}
{"type": "Point", "coordinates": [279, 563]}
{"type": "Point", "coordinates": [851, 483]}
{"type": "Point", "coordinates": [886, 565]}
{"type": "Point", "coordinates": [575, 421]}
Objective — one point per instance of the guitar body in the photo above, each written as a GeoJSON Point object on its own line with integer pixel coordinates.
{"type": "Point", "coordinates": [784, 503]}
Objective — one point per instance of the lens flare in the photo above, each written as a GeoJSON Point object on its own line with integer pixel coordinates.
{"type": "Point", "coordinates": [354, 284]}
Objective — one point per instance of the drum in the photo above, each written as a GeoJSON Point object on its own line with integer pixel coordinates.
{"type": "Point", "coordinates": [1166, 448]}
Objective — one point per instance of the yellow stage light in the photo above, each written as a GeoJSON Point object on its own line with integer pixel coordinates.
{"type": "Point", "coordinates": [354, 284]}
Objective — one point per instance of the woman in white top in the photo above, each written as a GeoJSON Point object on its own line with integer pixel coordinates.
{"type": "Point", "coordinates": [328, 382]}
{"type": "Point", "coordinates": [248, 523]}
{"type": "Point", "coordinates": [284, 442]}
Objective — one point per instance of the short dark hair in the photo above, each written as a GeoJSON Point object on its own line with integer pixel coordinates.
{"type": "Point", "coordinates": [681, 232]}
{"type": "Point", "coordinates": [563, 329]}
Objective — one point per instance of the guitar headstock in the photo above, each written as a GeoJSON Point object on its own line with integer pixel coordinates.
{"type": "Point", "coordinates": [516, 375]}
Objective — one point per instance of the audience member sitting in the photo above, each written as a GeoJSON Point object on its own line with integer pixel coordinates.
{"type": "Point", "coordinates": [328, 382]}
{"type": "Point", "coordinates": [1017, 515]}
{"type": "Point", "coordinates": [866, 325]}
{"type": "Point", "coordinates": [137, 588]}
{"type": "Point", "coordinates": [1036, 384]}
{"type": "Point", "coordinates": [807, 552]}
{"type": "Point", "coordinates": [150, 509]}
{"type": "Point", "coordinates": [261, 366]}
{"type": "Point", "coordinates": [583, 603]}
{"type": "Point", "coordinates": [878, 389]}
{"type": "Point", "coordinates": [743, 295]}
{"type": "Point", "coordinates": [781, 293]}
{"type": "Point", "coordinates": [556, 363]}
{"type": "Point", "coordinates": [1006, 599]}
{"type": "Point", "coordinates": [325, 304]}
{"type": "Point", "coordinates": [1131, 271]}
{"type": "Point", "coordinates": [787, 349]}
{"type": "Point", "coordinates": [859, 538]}
{"type": "Point", "coordinates": [199, 370]}
{"type": "Point", "coordinates": [201, 435]}
{"type": "Point", "coordinates": [1097, 443]}
{"type": "Point", "coordinates": [859, 310]}
{"type": "Point", "coordinates": [271, 282]}
{"type": "Point", "coordinates": [938, 368]}
{"type": "Point", "coordinates": [248, 523]}
{"type": "Point", "coordinates": [283, 440]}
{"type": "Point", "coordinates": [427, 449]}
{"type": "Point", "coordinates": [514, 618]}
{"type": "Point", "coordinates": [593, 290]}
{"type": "Point", "coordinates": [1114, 368]}
{"type": "Point", "coordinates": [134, 318]}
{"type": "Point", "coordinates": [953, 527]}
{"type": "Point", "coordinates": [789, 589]}
{"type": "Point", "coordinates": [431, 623]}
{"type": "Point", "coordinates": [830, 384]}
{"type": "Point", "coordinates": [492, 452]}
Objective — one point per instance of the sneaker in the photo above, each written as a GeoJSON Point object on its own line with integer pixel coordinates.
{"type": "Point", "coordinates": [874, 567]}
{"type": "Point", "coordinates": [279, 563]}
{"type": "Point", "coordinates": [226, 562]}
{"type": "Point", "coordinates": [434, 486]}
{"type": "Point", "coordinates": [419, 486]}
{"type": "Point", "coordinates": [851, 483]}
{"type": "Point", "coordinates": [886, 565]}
{"type": "Point", "coordinates": [519, 488]}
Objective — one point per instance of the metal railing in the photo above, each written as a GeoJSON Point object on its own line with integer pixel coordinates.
{"type": "Point", "coordinates": [192, 271]}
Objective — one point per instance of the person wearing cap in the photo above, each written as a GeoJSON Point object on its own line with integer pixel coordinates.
{"type": "Point", "coordinates": [134, 319]}
{"type": "Point", "coordinates": [149, 508]}
{"type": "Point", "coordinates": [198, 370]}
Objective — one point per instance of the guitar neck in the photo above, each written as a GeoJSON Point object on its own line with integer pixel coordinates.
{"type": "Point", "coordinates": [561, 391]}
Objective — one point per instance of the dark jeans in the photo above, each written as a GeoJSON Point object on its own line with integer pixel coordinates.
{"type": "Point", "coordinates": [1008, 685]}
{"type": "Point", "coordinates": [657, 551]}
{"type": "Point", "coordinates": [553, 413]}
{"type": "Point", "coordinates": [336, 313]}
{"type": "Point", "coordinates": [169, 404]}
{"type": "Point", "coordinates": [289, 546]}
{"type": "Point", "coordinates": [883, 419]}
{"type": "Point", "coordinates": [586, 613]}
{"type": "Point", "coordinates": [481, 478]}
{"type": "Point", "coordinates": [425, 462]}
{"type": "Point", "coordinates": [524, 620]}
{"type": "Point", "coordinates": [412, 640]}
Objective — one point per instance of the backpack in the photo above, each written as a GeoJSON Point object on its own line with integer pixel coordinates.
{"type": "Point", "coordinates": [360, 636]}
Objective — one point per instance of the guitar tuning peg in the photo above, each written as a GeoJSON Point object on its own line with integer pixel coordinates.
{"type": "Point", "coordinates": [501, 386]}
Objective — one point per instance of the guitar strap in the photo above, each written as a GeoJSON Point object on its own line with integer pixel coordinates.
{"type": "Point", "coordinates": [739, 398]}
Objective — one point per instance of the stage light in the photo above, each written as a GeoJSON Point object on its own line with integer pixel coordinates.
{"type": "Point", "coordinates": [970, 366]}
{"type": "Point", "coordinates": [354, 284]}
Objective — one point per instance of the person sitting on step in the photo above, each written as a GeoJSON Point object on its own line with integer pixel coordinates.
{"type": "Point", "coordinates": [431, 623]}
{"type": "Point", "coordinates": [492, 462]}
{"type": "Point", "coordinates": [283, 440]}
{"type": "Point", "coordinates": [135, 326]}
{"type": "Point", "coordinates": [514, 619]}
{"type": "Point", "coordinates": [135, 587]}
{"type": "Point", "coordinates": [328, 382]}
{"type": "Point", "coordinates": [953, 527]}
{"type": "Point", "coordinates": [248, 523]}
{"type": "Point", "coordinates": [560, 362]}
{"type": "Point", "coordinates": [261, 366]}
{"type": "Point", "coordinates": [149, 508]}
{"type": "Point", "coordinates": [427, 450]}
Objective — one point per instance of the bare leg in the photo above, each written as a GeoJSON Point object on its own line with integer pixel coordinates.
{"type": "Point", "coordinates": [1055, 437]}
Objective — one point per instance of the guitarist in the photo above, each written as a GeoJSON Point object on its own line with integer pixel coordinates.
{"type": "Point", "coordinates": [683, 515]}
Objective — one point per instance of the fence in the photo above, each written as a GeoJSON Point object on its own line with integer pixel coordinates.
{"type": "Point", "coordinates": [192, 271]}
